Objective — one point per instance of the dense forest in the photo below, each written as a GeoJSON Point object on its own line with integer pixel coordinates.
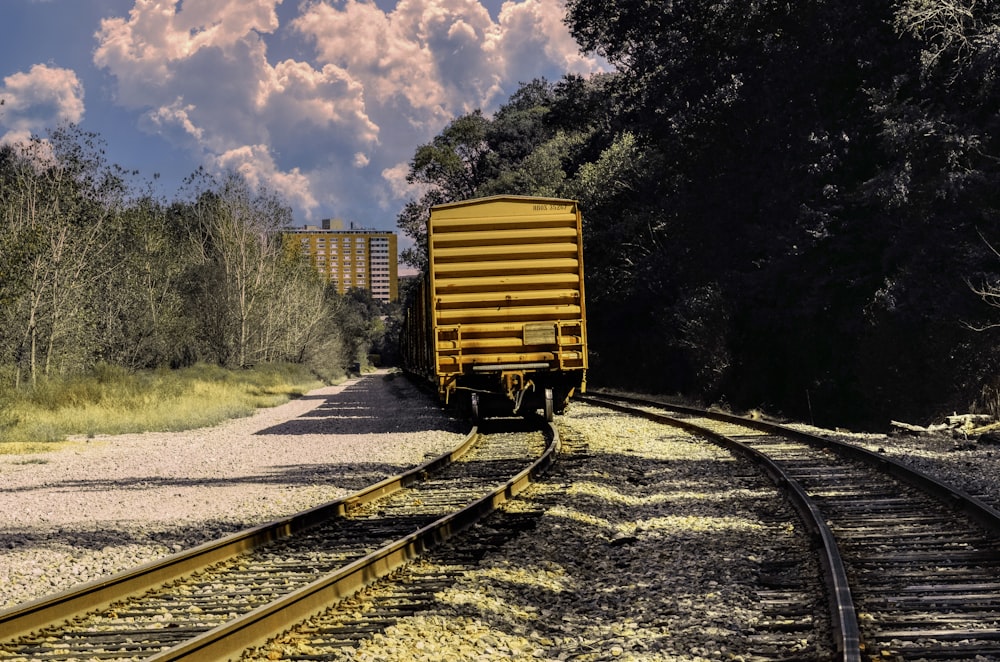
{"type": "Point", "coordinates": [95, 272]}
{"type": "Point", "coordinates": [791, 206]}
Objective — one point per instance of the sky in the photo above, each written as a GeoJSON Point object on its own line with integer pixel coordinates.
{"type": "Point", "coordinates": [322, 101]}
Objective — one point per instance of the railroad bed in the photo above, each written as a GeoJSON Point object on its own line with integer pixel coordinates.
{"type": "Point", "coordinates": [106, 504]}
{"type": "Point", "coordinates": [641, 543]}
{"type": "Point", "coordinates": [205, 608]}
{"type": "Point", "coordinates": [912, 565]}
{"type": "Point", "coordinates": [638, 542]}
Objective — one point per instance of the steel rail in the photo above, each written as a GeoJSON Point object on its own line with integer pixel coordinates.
{"type": "Point", "coordinates": [977, 509]}
{"type": "Point", "coordinates": [957, 500]}
{"type": "Point", "coordinates": [256, 627]}
{"type": "Point", "coordinates": [847, 633]}
{"type": "Point", "coordinates": [50, 610]}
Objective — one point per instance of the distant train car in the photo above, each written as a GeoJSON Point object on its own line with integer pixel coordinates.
{"type": "Point", "coordinates": [499, 321]}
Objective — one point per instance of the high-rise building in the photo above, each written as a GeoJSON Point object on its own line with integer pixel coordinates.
{"type": "Point", "coordinates": [351, 258]}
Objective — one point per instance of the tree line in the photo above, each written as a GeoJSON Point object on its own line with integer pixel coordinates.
{"type": "Point", "coordinates": [787, 205]}
{"type": "Point", "coordinates": [96, 270]}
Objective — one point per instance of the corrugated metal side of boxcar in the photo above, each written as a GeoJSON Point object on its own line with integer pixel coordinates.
{"type": "Point", "coordinates": [507, 287]}
{"type": "Point", "coordinates": [416, 346]}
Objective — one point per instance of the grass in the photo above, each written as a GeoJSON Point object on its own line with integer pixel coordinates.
{"type": "Point", "coordinates": [110, 400]}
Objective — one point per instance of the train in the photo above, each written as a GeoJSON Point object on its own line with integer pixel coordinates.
{"type": "Point", "coordinates": [497, 323]}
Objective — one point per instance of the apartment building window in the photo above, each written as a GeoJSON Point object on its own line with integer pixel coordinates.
{"type": "Point", "coordinates": [354, 258]}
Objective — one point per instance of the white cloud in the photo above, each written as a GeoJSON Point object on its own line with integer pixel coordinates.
{"type": "Point", "coordinates": [199, 72]}
{"type": "Point", "coordinates": [257, 166]}
{"type": "Point", "coordinates": [395, 176]}
{"type": "Point", "coordinates": [143, 49]}
{"type": "Point", "coordinates": [424, 61]}
{"type": "Point", "coordinates": [377, 84]}
{"type": "Point", "coordinates": [176, 114]}
{"type": "Point", "coordinates": [533, 31]}
{"type": "Point", "coordinates": [39, 99]}
{"type": "Point", "coordinates": [427, 61]}
{"type": "Point", "coordinates": [328, 98]}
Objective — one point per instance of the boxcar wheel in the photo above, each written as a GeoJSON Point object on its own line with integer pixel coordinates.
{"type": "Point", "coordinates": [549, 406]}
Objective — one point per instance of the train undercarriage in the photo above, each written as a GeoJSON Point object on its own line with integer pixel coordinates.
{"type": "Point", "coordinates": [504, 390]}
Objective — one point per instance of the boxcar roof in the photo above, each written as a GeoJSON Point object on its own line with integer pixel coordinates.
{"type": "Point", "coordinates": [502, 198]}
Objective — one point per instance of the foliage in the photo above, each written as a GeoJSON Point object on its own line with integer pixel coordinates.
{"type": "Point", "coordinates": [783, 202]}
{"type": "Point", "coordinates": [96, 272]}
{"type": "Point", "coordinates": [823, 170]}
{"type": "Point", "coordinates": [56, 207]}
{"type": "Point", "coordinates": [532, 146]}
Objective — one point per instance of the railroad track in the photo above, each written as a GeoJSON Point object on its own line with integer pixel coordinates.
{"type": "Point", "coordinates": [912, 566]}
{"type": "Point", "coordinates": [223, 597]}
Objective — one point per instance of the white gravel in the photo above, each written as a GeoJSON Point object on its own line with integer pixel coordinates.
{"type": "Point", "coordinates": [649, 545]}
{"type": "Point", "coordinates": [965, 462]}
{"type": "Point", "coordinates": [110, 503]}
{"type": "Point", "coordinates": [649, 548]}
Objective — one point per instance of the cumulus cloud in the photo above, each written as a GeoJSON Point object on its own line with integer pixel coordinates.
{"type": "Point", "coordinates": [144, 49]}
{"type": "Point", "coordinates": [328, 129]}
{"type": "Point", "coordinates": [200, 72]}
{"type": "Point", "coordinates": [427, 61]}
{"type": "Point", "coordinates": [533, 31]}
{"type": "Point", "coordinates": [257, 166]}
{"type": "Point", "coordinates": [39, 99]}
{"type": "Point", "coordinates": [395, 176]}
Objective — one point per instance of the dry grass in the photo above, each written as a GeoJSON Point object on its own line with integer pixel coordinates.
{"type": "Point", "coordinates": [113, 401]}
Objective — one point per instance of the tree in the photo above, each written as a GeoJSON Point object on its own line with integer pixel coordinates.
{"type": "Point", "coordinates": [358, 316]}
{"type": "Point", "coordinates": [450, 167]}
{"type": "Point", "coordinates": [531, 146]}
{"type": "Point", "coordinates": [412, 220]}
{"type": "Point", "coordinates": [237, 241]}
{"type": "Point", "coordinates": [454, 162]}
{"type": "Point", "coordinates": [57, 198]}
{"type": "Point", "coordinates": [821, 169]}
{"type": "Point", "coordinates": [139, 312]}
{"type": "Point", "coordinates": [297, 326]}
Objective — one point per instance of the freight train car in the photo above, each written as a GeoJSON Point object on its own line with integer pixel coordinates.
{"type": "Point", "coordinates": [498, 323]}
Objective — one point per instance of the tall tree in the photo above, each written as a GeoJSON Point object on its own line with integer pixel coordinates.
{"type": "Point", "coordinates": [532, 146]}
{"type": "Point", "coordinates": [57, 198]}
{"type": "Point", "coordinates": [140, 315]}
{"type": "Point", "coordinates": [450, 167]}
{"type": "Point", "coordinates": [238, 243]}
{"type": "Point", "coordinates": [821, 168]}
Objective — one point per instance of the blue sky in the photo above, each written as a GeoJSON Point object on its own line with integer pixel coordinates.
{"type": "Point", "coordinates": [323, 101]}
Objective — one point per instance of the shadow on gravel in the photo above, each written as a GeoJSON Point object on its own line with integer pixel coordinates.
{"type": "Point", "coordinates": [621, 555]}
{"type": "Point", "coordinates": [621, 525]}
{"type": "Point", "coordinates": [365, 408]}
{"type": "Point", "coordinates": [90, 537]}
{"type": "Point", "coordinates": [349, 476]}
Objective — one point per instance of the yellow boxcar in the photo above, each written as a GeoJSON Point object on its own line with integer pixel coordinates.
{"type": "Point", "coordinates": [501, 319]}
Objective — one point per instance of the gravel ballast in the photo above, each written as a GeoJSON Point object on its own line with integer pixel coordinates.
{"type": "Point", "coordinates": [110, 503]}
{"type": "Point", "coordinates": [649, 545]}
